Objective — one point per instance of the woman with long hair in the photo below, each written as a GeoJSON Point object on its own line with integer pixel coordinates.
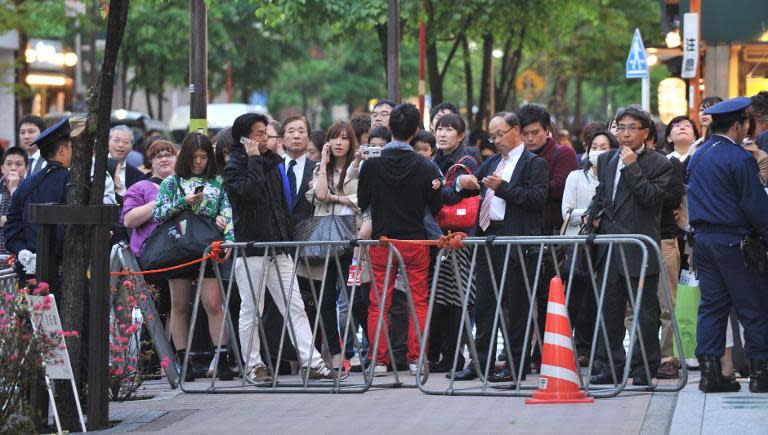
{"type": "Point", "coordinates": [196, 187]}
{"type": "Point", "coordinates": [578, 193]}
{"type": "Point", "coordinates": [333, 193]}
{"type": "Point", "coordinates": [451, 151]}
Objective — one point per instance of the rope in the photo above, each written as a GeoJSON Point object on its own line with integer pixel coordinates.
{"type": "Point", "coordinates": [451, 241]}
{"type": "Point", "coordinates": [214, 255]}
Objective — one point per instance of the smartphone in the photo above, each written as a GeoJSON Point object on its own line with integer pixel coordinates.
{"type": "Point", "coordinates": [370, 152]}
{"type": "Point", "coordinates": [245, 141]}
{"type": "Point", "coordinates": [198, 189]}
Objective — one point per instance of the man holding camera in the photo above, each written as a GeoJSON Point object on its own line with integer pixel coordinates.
{"type": "Point", "coordinates": [727, 204]}
{"type": "Point", "coordinates": [629, 200]}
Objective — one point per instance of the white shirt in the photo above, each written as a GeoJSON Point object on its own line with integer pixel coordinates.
{"type": "Point", "coordinates": [298, 169]}
{"type": "Point", "coordinates": [33, 162]}
{"type": "Point", "coordinates": [498, 205]}
{"type": "Point", "coordinates": [579, 190]}
{"type": "Point", "coordinates": [109, 185]}
{"type": "Point", "coordinates": [678, 156]}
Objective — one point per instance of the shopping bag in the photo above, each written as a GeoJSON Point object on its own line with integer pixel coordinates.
{"type": "Point", "coordinates": [687, 312]}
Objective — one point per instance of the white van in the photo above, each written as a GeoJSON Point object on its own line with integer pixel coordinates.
{"type": "Point", "coordinates": [219, 116]}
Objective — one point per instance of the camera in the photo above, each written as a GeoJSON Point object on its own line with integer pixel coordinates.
{"type": "Point", "coordinates": [370, 152]}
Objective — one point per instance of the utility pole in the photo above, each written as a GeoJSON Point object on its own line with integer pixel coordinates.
{"type": "Point", "coordinates": [198, 66]}
{"type": "Point", "coordinates": [422, 69]}
{"type": "Point", "coordinates": [393, 51]}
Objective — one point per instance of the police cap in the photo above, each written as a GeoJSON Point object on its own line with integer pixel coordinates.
{"type": "Point", "coordinates": [51, 137]}
{"type": "Point", "coordinates": [728, 106]}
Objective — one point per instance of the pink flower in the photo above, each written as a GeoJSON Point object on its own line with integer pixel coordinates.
{"type": "Point", "coordinates": [127, 283]}
{"type": "Point", "coordinates": [8, 297]}
{"type": "Point", "coordinates": [74, 333]}
{"type": "Point", "coordinates": [143, 297]}
{"type": "Point", "coordinates": [117, 360]}
{"type": "Point", "coordinates": [164, 363]}
{"type": "Point", "coordinates": [132, 329]}
{"type": "Point", "coordinates": [43, 286]}
{"type": "Point", "coordinates": [122, 326]}
{"type": "Point", "coordinates": [119, 372]}
{"type": "Point", "coordinates": [125, 347]}
{"type": "Point", "coordinates": [131, 368]}
{"type": "Point", "coordinates": [2, 311]}
{"type": "Point", "coordinates": [124, 340]}
{"type": "Point", "coordinates": [119, 308]}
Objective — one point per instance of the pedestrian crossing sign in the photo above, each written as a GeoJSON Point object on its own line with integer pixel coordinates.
{"type": "Point", "coordinates": [637, 65]}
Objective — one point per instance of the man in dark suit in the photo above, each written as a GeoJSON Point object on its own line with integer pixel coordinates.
{"type": "Point", "coordinates": [513, 185]}
{"type": "Point", "coordinates": [297, 166]}
{"type": "Point", "coordinates": [629, 199]}
{"type": "Point", "coordinates": [123, 174]}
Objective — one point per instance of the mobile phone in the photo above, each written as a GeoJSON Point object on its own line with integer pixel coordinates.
{"type": "Point", "coordinates": [370, 152]}
{"type": "Point", "coordinates": [245, 141]}
{"type": "Point", "coordinates": [198, 189]}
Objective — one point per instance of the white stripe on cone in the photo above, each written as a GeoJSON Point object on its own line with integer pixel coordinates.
{"type": "Point", "coordinates": [555, 308]}
{"type": "Point", "coordinates": [559, 373]}
{"type": "Point", "coordinates": [558, 340]}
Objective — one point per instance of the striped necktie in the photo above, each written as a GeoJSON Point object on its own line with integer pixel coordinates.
{"type": "Point", "coordinates": [485, 208]}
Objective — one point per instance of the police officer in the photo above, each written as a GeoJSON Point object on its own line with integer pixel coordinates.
{"type": "Point", "coordinates": [727, 203]}
{"type": "Point", "coordinates": [46, 186]}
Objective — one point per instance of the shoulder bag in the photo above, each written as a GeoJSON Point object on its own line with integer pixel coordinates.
{"type": "Point", "coordinates": [180, 239]}
{"type": "Point", "coordinates": [332, 228]}
{"type": "Point", "coordinates": [462, 215]}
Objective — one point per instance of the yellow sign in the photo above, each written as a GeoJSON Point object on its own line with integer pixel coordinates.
{"type": "Point", "coordinates": [756, 84]}
{"type": "Point", "coordinates": [530, 84]}
{"type": "Point", "coordinates": [672, 99]}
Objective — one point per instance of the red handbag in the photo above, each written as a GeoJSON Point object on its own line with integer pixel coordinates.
{"type": "Point", "coordinates": [462, 215]}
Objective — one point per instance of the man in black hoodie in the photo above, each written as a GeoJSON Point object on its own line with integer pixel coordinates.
{"type": "Point", "coordinates": [253, 178]}
{"type": "Point", "coordinates": [398, 187]}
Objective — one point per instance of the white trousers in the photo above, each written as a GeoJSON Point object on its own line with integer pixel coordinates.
{"type": "Point", "coordinates": [248, 329]}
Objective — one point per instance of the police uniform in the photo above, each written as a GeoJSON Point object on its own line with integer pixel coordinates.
{"type": "Point", "coordinates": [46, 186]}
{"type": "Point", "coordinates": [727, 202]}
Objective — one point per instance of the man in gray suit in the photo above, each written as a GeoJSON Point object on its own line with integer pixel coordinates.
{"type": "Point", "coordinates": [629, 200]}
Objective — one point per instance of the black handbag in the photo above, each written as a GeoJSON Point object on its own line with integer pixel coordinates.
{"type": "Point", "coordinates": [326, 228]}
{"type": "Point", "coordinates": [181, 239]}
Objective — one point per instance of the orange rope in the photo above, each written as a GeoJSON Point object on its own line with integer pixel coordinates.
{"type": "Point", "coordinates": [214, 255]}
{"type": "Point", "coordinates": [452, 241]}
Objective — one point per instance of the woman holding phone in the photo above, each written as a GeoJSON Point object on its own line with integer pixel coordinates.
{"type": "Point", "coordinates": [197, 187]}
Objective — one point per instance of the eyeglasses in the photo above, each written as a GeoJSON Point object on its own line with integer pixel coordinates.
{"type": "Point", "coordinates": [121, 141]}
{"type": "Point", "coordinates": [163, 156]}
{"type": "Point", "coordinates": [380, 114]}
{"type": "Point", "coordinates": [494, 137]}
{"type": "Point", "coordinates": [631, 129]}
{"type": "Point", "coordinates": [273, 137]}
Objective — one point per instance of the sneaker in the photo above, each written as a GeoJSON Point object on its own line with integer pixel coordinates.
{"type": "Point", "coordinates": [354, 275]}
{"type": "Point", "coordinates": [380, 370]}
{"type": "Point", "coordinates": [323, 372]}
{"type": "Point", "coordinates": [258, 374]}
{"type": "Point", "coordinates": [413, 367]}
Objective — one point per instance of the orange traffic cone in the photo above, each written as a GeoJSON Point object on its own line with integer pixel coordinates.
{"type": "Point", "coordinates": [559, 382]}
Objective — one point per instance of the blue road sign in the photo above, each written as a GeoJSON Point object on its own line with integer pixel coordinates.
{"type": "Point", "coordinates": [637, 65]}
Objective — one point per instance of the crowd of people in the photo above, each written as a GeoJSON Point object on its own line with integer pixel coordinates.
{"type": "Point", "coordinates": [385, 174]}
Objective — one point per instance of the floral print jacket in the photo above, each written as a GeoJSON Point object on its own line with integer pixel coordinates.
{"type": "Point", "coordinates": [170, 200]}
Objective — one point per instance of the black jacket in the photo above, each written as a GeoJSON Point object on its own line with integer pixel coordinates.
{"type": "Point", "coordinates": [525, 193]}
{"type": "Point", "coordinates": [398, 187]}
{"type": "Point", "coordinates": [637, 206]}
{"type": "Point", "coordinates": [459, 155]}
{"type": "Point", "coordinates": [259, 206]}
{"type": "Point", "coordinates": [302, 208]}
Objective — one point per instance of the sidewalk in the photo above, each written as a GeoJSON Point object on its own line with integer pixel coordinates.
{"type": "Point", "coordinates": [399, 410]}
{"type": "Point", "coordinates": [735, 413]}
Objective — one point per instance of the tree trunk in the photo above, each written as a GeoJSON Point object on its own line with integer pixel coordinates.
{"type": "Point", "coordinates": [435, 83]}
{"type": "Point", "coordinates": [485, 80]}
{"type": "Point", "coordinates": [95, 19]}
{"type": "Point", "coordinates": [468, 79]}
{"type": "Point", "coordinates": [381, 30]}
{"type": "Point", "coordinates": [506, 92]}
{"type": "Point", "coordinates": [147, 95]}
{"type": "Point", "coordinates": [577, 101]}
{"type": "Point", "coordinates": [81, 191]}
{"type": "Point", "coordinates": [24, 92]}
{"type": "Point", "coordinates": [124, 77]}
{"type": "Point", "coordinates": [604, 99]}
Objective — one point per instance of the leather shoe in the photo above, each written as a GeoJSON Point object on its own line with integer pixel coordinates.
{"type": "Point", "coordinates": [667, 370]}
{"type": "Point", "coordinates": [468, 374]}
{"type": "Point", "coordinates": [712, 379]}
{"type": "Point", "coordinates": [601, 378]}
{"type": "Point", "coordinates": [639, 378]}
{"type": "Point", "coordinates": [758, 380]}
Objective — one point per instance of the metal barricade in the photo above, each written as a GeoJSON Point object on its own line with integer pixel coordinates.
{"type": "Point", "coordinates": [286, 259]}
{"type": "Point", "coordinates": [122, 259]}
{"type": "Point", "coordinates": [529, 255]}
{"type": "Point", "coordinates": [9, 281]}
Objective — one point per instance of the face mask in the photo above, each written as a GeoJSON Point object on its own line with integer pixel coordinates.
{"type": "Point", "coordinates": [593, 155]}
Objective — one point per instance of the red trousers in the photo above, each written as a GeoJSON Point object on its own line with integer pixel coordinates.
{"type": "Point", "coordinates": [416, 259]}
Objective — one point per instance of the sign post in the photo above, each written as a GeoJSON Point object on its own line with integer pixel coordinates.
{"type": "Point", "coordinates": [637, 68]}
{"type": "Point", "coordinates": [690, 69]}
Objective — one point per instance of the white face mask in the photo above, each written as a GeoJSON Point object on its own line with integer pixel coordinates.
{"type": "Point", "coordinates": [593, 155]}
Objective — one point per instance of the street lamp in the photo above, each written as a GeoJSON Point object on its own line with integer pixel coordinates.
{"type": "Point", "coordinates": [497, 53]}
